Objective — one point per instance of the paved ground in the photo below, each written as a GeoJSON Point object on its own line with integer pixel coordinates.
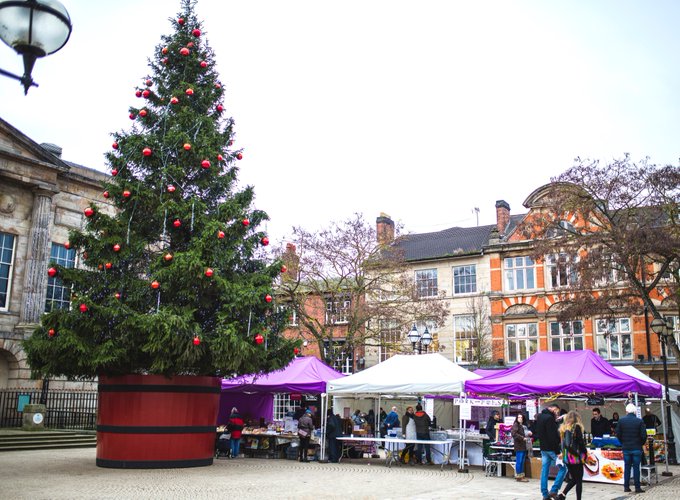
{"type": "Point", "coordinates": [72, 474]}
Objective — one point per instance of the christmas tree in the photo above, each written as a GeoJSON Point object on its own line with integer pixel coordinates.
{"type": "Point", "coordinates": [177, 280]}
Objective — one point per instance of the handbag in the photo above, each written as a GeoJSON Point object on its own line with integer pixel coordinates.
{"type": "Point", "coordinates": [303, 433]}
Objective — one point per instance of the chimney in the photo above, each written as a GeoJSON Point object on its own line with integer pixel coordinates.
{"type": "Point", "coordinates": [502, 216]}
{"type": "Point", "coordinates": [292, 261]}
{"type": "Point", "coordinates": [384, 228]}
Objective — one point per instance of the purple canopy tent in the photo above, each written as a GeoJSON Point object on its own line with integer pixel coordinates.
{"type": "Point", "coordinates": [485, 372]}
{"type": "Point", "coordinates": [565, 373]}
{"type": "Point", "coordinates": [255, 393]}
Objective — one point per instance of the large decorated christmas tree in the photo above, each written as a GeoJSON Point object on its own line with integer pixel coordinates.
{"type": "Point", "coordinates": [176, 281]}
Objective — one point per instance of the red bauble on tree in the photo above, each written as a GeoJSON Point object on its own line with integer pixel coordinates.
{"type": "Point", "coordinates": [51, 272]}
{"type": "Point", "coordinates": [187, 146]}
{"type": "Point", "coordinates": [67, 245]}
{"type": "Point", "coordinates": [283, 269]}
{"type": "Point", "coordinates": [218, 86]}
{"type": "Point", "coordinates": [264, 241]}
{"type": "Point", "coordinates": [177, 223]}
{"type": "Point", "coordinates": [83, 308]}
{"type": "Point", "coordinates": [180, 21]}
{"type": "Point", "coordinates": [171, 188]}
{"type": "Point", "coordinates": [114, 172]}
{"type": "Point", "coordinates": [184, 51]}
{"type": "Point", "coordinates": [205, 164]}
{"type": "Point", "coordinates": [146, 151]}
{"type": "Point", "coordinates": [239, 156]}
{"type": "Point", "coordinates": [189, 91]}
{"type": "Point", "coordinates": [155, 285]}
{"type": "Point", "coordinates": [267, 298]}
{"type": "Point", "coordinates": [167, 257]}
{"type": "Point", "coordinates": [190, 45]}
{"type": "Point", "coordinates": [220, 158]}
{"type": "Point", "coordinates": [220, 235]}
{"type": "Point", "coordinates": [142, 113]}
{"type": "Point", "coordinates": [105, 194]}
{"type": "Point", "coordinates": [174, 100]}
{"type": "Point", "coordinates": [149, 83]}
{"type": "Point", "coordinates": [209, 272]}
{"type": "Point", "coordinates": [117, 295]}
{"type": "Point", "coordinates": [126, 194]}
{"type": "Point", "coordinates": [132, 116]}
{"type": "Point", "coordinates": [296, 351]}
{"type": "Point", "coordinates": [204, 64]}
{"type": "Point", "coordinates": [88, 212]}
{"type": "Point", "coordinates": [164, 50]}
{"type": "Point", "coordinates": [116, 247]}
{"type": "Point", "coordinates": [219, 108]}
{"type": "Point", "coordinates": [138, 93]}
{"type": "Point", "coordinates": [196, 32]}
{"type": "Point", "coordinates": [146, 94]}
{"type": "Point", "coordinates": [114, 145]}
{"type": "Point", "coordinates": [165, 60]}
{"type": "Point", "coordinates": [108, 265]}
{"type": "Point", "coordinates": [51, 332]}
{"type": "Point", "coordinates": [197, 340]}
{"type": "Point", "coordinates": [245, 222]}
{"type": "Point", "coordinates": [259, 339]}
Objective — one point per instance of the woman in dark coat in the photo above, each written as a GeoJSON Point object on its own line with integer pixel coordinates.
{"type": "Point", "coordinates": [521, 437]}
{"type": "Point", "coordinates": [333, 431]}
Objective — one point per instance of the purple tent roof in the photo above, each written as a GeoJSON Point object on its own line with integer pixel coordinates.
{"type": "Point", "coordinates": [305, 374]}
{"type": "Point", "coordinates": [485, 372]}
{"type": "Point", "coordinates": [576, 372]}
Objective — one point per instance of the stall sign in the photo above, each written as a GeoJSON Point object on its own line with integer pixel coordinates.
{"type": "Point", "coordinates": [531, 409]}
{"type": "Point", "coordinates": [295, 397]}
{"type": "Point", "coordinates": [478, 402]}
{"type": "Point", "coordinates": [466, 411]}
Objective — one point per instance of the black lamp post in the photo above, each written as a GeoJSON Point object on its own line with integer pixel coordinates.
{"type": "Point", "coordinates": [418, 340]}
{"type": "Point", "coordinates": [33, 28]}
{"type": "Point", "coordinates": [664, 329]}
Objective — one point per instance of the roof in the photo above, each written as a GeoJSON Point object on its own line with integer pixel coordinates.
{"type": "Point", "coordinates": [406, 374]}
{"type": "Point", "coordinates": [450, 242]}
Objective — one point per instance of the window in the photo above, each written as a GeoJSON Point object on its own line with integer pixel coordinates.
{"type": "Point", "coordinates": [566, 336]}
{"type": "Point", "coordinates": [561, 270]}
{"type": "Point", "coordinates": [337, 311]}
{"type": "Point", "coordinates": [562, 229]}
{"type": "Point", "coordinates": [391, 338]}
{"type": "Point", "coordinates": [465, 279]}
{"type": "Point", "coordinates": [290, 313]}
{"type": "Point", "coordinates": [675, 321]}
{"type": "Point", "coordinates": [465, 338]}
{"type": "Point", "coordinates": [339, 355]}
{"type": "Point", "coordinates": [58, 295]}
{"type": "Point", "coordinates": [614, 338]}
{"type": "Point", "coordinates": [519, 273]}
{"type": "Point", "coordinates": [426, 283]}
{"type": "Point", "coordinates": [521, 341]}
{"type": "Point", "coordinates": [6, 254]}
{"type": "Point", "coordinates": [283, 404]}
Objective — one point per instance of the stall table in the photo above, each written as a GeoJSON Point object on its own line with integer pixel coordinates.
{"type": "Point", "coordinates": [269, 445]}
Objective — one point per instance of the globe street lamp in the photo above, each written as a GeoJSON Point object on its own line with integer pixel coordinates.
{"type": "Point", "coordinates": [33, 28]}
{"type": "Point", "coordinates": [416, 339]}
{"type": "Point", "coordinates": [664, 329]}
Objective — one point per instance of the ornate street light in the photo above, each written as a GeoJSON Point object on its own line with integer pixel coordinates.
{"type": "Point", "coordinates": [33, 28]}
{"type": "Point", "coordinates": [418, 340]}
{"type": "Point", "coordinates": [664, 329]}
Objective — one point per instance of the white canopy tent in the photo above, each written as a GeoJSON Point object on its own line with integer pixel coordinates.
{"type": "Point", "coordinates": [406, 374]}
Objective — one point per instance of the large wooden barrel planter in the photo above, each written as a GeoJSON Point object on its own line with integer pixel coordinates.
{"type": "Point", "coordinates": [155, 422]}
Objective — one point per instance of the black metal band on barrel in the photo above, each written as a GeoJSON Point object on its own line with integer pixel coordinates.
{"type": "Point", "coordinates": [134, 429]}
{"type": "Point", "coordinates": [153, 464]}
{"type": "Point", "coordinates": [195, 389]}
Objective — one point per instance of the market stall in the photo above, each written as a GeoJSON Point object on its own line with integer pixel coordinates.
{"type": "Point", "coordinates": [254, 394]}
{"type": "Point", "coordinates": [405, 376]}
{"type": "Point", "coordinates": [574, 375]}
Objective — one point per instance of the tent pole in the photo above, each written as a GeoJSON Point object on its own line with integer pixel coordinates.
{"type": "Point", "coordinates": [665, 433]}
{"type": "Point", "coordinates": [322, 438]}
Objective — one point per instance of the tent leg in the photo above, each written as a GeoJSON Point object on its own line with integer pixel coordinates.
{"type": "Point", "coordinates": [322, 438]}
{"type": "Point", "coordinates": [665, 434]}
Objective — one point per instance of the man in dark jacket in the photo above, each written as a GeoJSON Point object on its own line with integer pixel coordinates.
{"type": "Point", "coordinates": [599, 425]}
{"type": "Point", "coordinates": [422, 420]}
{"type": "Point", "coordinates": [632, 433]}
{"type": "Point", "coordinates": [549, 436]}
{"type": "Point", "coordinates": [333, 431]}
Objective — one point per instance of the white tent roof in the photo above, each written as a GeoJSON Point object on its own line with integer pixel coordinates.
{"type": "Point", "coordinates": [634, 372]}
{"type": "Point", "coordinates": [406, 374]}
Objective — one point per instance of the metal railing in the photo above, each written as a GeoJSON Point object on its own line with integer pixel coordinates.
{"type": "Point", "coordinates": [65, 409]}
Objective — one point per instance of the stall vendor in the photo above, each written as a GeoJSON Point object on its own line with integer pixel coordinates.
{"type": "Point", "coordinates": [599, 426]}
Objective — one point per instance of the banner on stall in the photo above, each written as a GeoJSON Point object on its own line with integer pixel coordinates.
{"type": "Point", "coordinates": [478, 402]}
{"type": "Point", "coordinates": [465, 410]}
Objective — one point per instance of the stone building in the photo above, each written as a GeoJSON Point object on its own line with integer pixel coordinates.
{"type": "Point", "coordinates": [42, 197]}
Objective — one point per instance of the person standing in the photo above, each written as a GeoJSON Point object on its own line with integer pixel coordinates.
{"type": "Point", "coordinates": [490, 430]}
{"type": "Point", "coordinates": [409, 427]}
{"type": "Point", "coordinates": [574, 453]}
{"type": "Point", "coordinates": [632, 433]}
{"type": "Point", "coordinates": [423, 422]}
{"type": "Point", "coordinates": [521, 437]}
{"type": "Point", "coordinates": [549, 436]}
{"type": "Point", "coordinates": [235, 427]}
{"type": "Point", "coordinates": [333, 431]}
{"type": "Point", "coordinates": [599, 426]}
{"type": "Point", "coordinates": [613, 423]}
{"type": "Point", "coordinates": [305, 429]}
{"type": "Point", "coordinates": [392, 419]}
{"type": "Point", "coordinates": [651, 421]}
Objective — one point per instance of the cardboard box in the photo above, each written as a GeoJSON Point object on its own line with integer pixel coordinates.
{"type": "Point", "coordinates": [532, 468]}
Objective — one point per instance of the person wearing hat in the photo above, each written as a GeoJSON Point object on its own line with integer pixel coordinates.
{"type": "Point", "coordinates": [305, 429]}
{"type": "Point", "coordinates": [632, 433]}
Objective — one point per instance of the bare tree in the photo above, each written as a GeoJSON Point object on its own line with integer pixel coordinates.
{"type": "Point", "coordinates": [342, 279]}
{"type": "Point", "coordinates": [611, 235]}
{"type": "Point", "coordinates": [480, 329]}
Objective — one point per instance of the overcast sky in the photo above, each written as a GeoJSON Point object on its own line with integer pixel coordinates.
{"type": "Point", "coordinates": [420, 109]}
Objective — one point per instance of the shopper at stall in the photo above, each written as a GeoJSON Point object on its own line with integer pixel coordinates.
{"type": "Point", "coordinates": [490, 430]}
{"type": "Point", "coordinates": [632, 433]}
{"type": "Point", "coordinates": [549, 437]}
{"type": "Point", "coordinates": [305, 429]}
{"type": "Point", "coordinates": [358, 419]}
{"type": "Point", "coordinates": [651, 421]}
{"type": "Point", "coordinates": [423, 422]}
{"type": "Point", "coordinates": [613, 423]}
{"type": "Point", "coordinates": [392, 419]}
{"type": "Point", "coordinates": [574, 452]}
{"type": "Point", "coordinates": [333, 432]}
{"type": "Point", "coordinates": [370, 418]}
{"type": "Point", "coordinates": [235, 427]}
{"type": "Point", "coordinates": [599, 426]}
{"type": "Point", "coordinates": [521, 436]}
{"type": "Point", "coordinates": [409, 432]}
